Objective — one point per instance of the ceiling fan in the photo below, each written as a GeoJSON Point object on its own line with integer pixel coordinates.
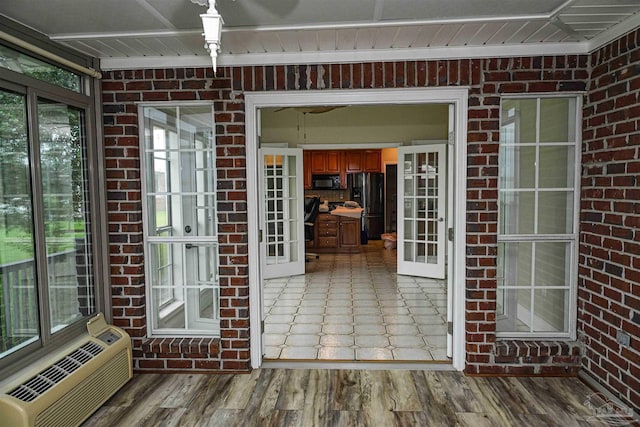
{"type": "Point", "coordinates": [313, 110]}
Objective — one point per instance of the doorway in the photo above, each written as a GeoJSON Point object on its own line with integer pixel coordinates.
{"type": "Point", "coordinates": [455, 97]}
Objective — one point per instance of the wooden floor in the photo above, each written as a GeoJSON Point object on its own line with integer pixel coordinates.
{"type": "Point", "coordinates": [314, 397]}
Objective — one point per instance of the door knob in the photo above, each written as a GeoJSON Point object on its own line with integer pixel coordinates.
{"type": "Point", "coordinates": [187, 229]}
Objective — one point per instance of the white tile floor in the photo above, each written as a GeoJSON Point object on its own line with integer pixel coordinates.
{"type": "Point", "coordinates": [355, 307]}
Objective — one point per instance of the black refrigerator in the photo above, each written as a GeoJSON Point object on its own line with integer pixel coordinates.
{"type": "Point", "coordinates": [367, 188]}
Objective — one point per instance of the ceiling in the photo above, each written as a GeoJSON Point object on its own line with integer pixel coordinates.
{"type": "Point", "coordinates": [152, 33]}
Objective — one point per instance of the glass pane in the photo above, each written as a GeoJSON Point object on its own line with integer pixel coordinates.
{"type": "Point", "coordinates": [19, 321]}
{"type": "Point", "coordinates": [553, 264]}
{"type": "Point", "coordinates": [517, 167]}
{"type": "Point", "coordinates": [515, 265]}
{"type": "Point", "coordinates": [184, 284]}
{"type": "Point", "coordinates": [162, 272]}
{"type": "Point", "coordinates": [409, 231]}
{"type": "Point", "coordinates": [557, 119]}
{"type": "Point", "coordinates": [32, 67]}
{"type": "Point", "coordinates": [517, 212]}
{"type": "Point", "coordinates": [208, 301]}
{"type": "Point", "coordinates": [66, 212]}
{"type": "Point", "coordinates": [194, 125]}
{"type": "Point", "coordinates": [181, 186]}
{"type": "Point", "coordinates": [557, 167]}
{"type": "Point", "coordinates": [408, 251]}
{"type": "Point", "coordinates": [516, 311]}
{"type": "Point", "coordinates": [178, 166]}
{"type": "Point", "coordinates": [523, 113]}
{"type": "Point", "coordinates": [522, 310]}
{"type": "Point", "coordinates": [550, 308]}
{"type": "Point", "coordinates": [555, 212]}
{"type": "Point", "coordinates": [293, 251]}
{"type": "Point", "coordinates": [409, 207]}
{"type": "Point", "coordinates": [409, 164]}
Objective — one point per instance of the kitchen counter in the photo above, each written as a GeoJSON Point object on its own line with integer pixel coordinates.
{"type": "Point", "coordinates": [347, 212]}
{"type": "Point", "coordinates": [337, 233]}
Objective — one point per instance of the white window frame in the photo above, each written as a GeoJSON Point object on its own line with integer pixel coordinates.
{"type": "Point", "coordinates": [571, 238]}
{"type": "Point", "coordinates": [177, 300]}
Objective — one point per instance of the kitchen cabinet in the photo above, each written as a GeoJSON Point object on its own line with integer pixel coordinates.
{"type": "Point", "coordinates": [326, 229]}
{"type": "Point", "coordinates": [362, 161]}
{"type": "Point", "coordinates": [328, 161]}
{"type": "Point", "coordinates": [349, 235]}
{"type": "Point", "coordinates": [353, 161]}
{"type": "Point", "coordinates": [371, 161]}
{"type": "Point", "coordinates": [334, 234]}
{"type": "Point", "coordinates": [306, 167]}
{"type": "Point", "coordinates": [340, 162]}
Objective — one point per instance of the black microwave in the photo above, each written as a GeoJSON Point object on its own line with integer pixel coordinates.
{"type": "Point", "coordinates": [325, 182]}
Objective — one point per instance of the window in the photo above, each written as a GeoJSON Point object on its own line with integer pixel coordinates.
{"type": "Point", "coordinates": [181, 248]}
{"type": "Point", "coordinates": [538, 196]}
{"type": "Point", "coordinates": [48, 272]}
{"type": "Point", "coordinates": [33, 67]}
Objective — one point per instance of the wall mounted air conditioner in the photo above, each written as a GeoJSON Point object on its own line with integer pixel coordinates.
{"type": "Point", "coordinates": [66, 387]}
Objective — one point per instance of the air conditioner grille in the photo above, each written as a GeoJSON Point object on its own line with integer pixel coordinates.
{"type": "Point", "coordinates": [35, 386]}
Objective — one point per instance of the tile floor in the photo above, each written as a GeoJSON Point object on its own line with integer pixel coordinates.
{"type": "Point", "coordinates": [355, 307]}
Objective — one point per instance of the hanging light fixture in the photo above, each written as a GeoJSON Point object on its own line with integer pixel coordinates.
{"type": "Point", "coordinates": [212, 25]}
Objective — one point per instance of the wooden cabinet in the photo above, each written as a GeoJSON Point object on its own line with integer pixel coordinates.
{"type": "Point", "coordinates": [325, 161]}
{"type": "Point", "coordinates": [306, 167]}
{"type": "Point", "coordinates": [335, 233]}
{"type": "Point", "coordinates": [372, 161]}
{"type": "Point", "coordinates": [339, 162]}
{"type": "Point", "coordinates": [349, 235]}
{"type": "Point", "coordinates": [353, 161]}
{"type": "Point", "coordinates": [362, 161]}
{"type": "Point", "coordinates": [326, 231]}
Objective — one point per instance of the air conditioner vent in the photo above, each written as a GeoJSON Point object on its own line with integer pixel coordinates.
{"type": "Point", "coordinates": [36, 386]}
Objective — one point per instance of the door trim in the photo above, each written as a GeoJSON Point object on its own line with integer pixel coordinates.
{"type": "Point", "coordinates": [457, 96]}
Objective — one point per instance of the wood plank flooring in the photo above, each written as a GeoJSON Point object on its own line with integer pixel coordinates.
{"type": "Point", "coordinates": [314, 397]}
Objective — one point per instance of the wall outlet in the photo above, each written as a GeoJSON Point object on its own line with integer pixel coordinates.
{"type": "Point", "coordinates": [623, 338]}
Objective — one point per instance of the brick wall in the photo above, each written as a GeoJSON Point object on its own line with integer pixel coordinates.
{"type": "Point", "coordinates": [121, 91]}
{"type": "Point", "coordinates": [609, 278]}
{"type": "Point", "coordinates": [487, 80]}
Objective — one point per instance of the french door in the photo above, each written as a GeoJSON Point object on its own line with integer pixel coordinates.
{"type": "Point", "coordinates": [281, 212]}
{"type": "Point", "coordinates": [422, 210]}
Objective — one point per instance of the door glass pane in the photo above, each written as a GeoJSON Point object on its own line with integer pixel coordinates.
{"type": "Point", "coordinates": [281, 209]}
{"type": "Point", "coordinates": [423, 210]}
{"type": "Point", "coordinates": [19, 321]}
{"type": "Point", "coordinates": [66, 212]}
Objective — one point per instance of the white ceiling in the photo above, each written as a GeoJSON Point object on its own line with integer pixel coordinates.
{"type": "Point", "coordinates": [142, 33]}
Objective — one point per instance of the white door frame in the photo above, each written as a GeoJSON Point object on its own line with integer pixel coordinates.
{"type": "Point", "coordinates": [458, 96]}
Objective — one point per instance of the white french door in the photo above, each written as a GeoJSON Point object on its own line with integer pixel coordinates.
{"type": "Point", "coordinates": [281, 212]}
{"type": "Point", "coordinates": [422, 173]}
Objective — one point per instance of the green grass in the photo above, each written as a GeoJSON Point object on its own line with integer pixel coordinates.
{"type": "Point", "coordinates": [17, 245]}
